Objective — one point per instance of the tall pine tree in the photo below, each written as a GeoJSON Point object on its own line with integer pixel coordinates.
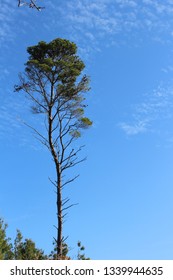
{"type": "Point", "coordinates": [53, 81]}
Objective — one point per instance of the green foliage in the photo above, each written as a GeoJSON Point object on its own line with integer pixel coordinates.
{"type": "Point", "coordinates": [75, 133]}
{"type": "Point", "coordinates": [26, 250]}
{"type": "Point", "coordinates": [85, 122]}
{"type": "Point", "coordinates": [56, 61]}
{"type": "Point", "coordinates": [65, 250]}
{"type": "Point", "coordinates": [78, 112]}
{"type": "Point", "coordinates": [55, 68]}
{"type": "Point", "coordinates": [5, 243]}
{"type": "Point", "coordinates": [81, 254]}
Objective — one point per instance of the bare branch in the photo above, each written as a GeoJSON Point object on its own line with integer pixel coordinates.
{"type": "Point", "coordinates": [26, 87]}
{"type": "Point", "coordinates": [54, 183]}
{"type": "Point", "coordinates": [56, 228]}
{"type": "Point", "coordinates": [66, 200]}
{"type": "Point", "coordinates": [72, 164]}
{"type": "Point", "coordinates": [64, 239]}
{"type": "Point", "coordinates": [63, 209]}
{"type": "Point", "coordinates": [39, 134]}
{"type": "Point", "coordinates": [72, 154]}
{"type": "Point", "coordinates": [70, 181]}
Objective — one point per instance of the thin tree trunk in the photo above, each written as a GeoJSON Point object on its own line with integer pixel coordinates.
{"type": "Point", "coordinates": [59, 214]}
{"type": "Point", "coordinates": [58, 191]}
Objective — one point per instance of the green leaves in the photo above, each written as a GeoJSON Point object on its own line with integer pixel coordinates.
{"type": "Point", "coordinates": [55, 67]}
{"type": "Point", "coordinates": [21, 250]}
{"type": "Point", "coordinates": [81, 254]}
{"type": "Point", "coordinates": [75, 133]}
{"type": "Point", "coordinates": [57, 60]}
{"type": "Point", "coordinates": [78, 112]}
{"type": "Point", "coordinates": [26, 250]}
{"type": "Point", "coordinates": [5, 244]}
{"type": "Point", "coordinates": [85, 122]}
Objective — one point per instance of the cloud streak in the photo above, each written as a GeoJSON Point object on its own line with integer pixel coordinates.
{"type": "Point", "coordinates": [135, 128]}
{"type": "Point", "coordinates": [88, 22]}
{"type": "Point", "coordinates": [7, 16]}
{"type": "Point", "coordinates": [14, 113]}
{"type": "Point", "coordinates": [151, 114]}
{"type": "Point", "coordinates": [111, 18]}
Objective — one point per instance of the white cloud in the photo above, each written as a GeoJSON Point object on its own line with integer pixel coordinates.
{"type": "Point", "coordinates": [99, 18]}
{"type": "Point", "coordinates": [136, 128]}
{"type": "Point", "coordinates": [99, 14]}
{"type": "Point", "coordinates": [7, 14]}
{"type": "Point", "coordinates": [151, 114]}
{"type": "Point", "coordinates": [110, 21]}
{"type": "Point", "coordinates": [14, 111]}
{"type": "Point", "coordinates": [127, 3]}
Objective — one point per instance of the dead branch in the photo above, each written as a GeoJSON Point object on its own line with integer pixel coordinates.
{"type": "Point", "coordinates": [63, 209]}
{"type": "Point", "coordinates": [70, 181]}
{"type": "Point", "coordinates": [53, 183]}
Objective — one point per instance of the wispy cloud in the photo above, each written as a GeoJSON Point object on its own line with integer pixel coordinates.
{"type": "Point", "coordinates": [7, 15]}
{"type": "Point", "coordinates": [150, 115]}
{"type": "Point", "coordinates": [10, 108]}
{"type": "Point", "coordinates": [108, 18]}
{"type": "Point", "coordinates": [135, 128]}
{"type": "Point", "coordinates": [14, 112]}
{"type": "Point", "coordinates": [88, 22]}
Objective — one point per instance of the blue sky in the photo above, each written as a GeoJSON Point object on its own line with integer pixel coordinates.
{"type": "Point", "coordinates": [125, 189]}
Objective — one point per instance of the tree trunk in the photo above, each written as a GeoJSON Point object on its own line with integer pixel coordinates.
{"type": "Point", "coordinates": [58, 189]}
{"type": "Point", "coordinates": [59, 214]}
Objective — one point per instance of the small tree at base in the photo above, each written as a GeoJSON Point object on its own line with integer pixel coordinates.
{"type": "Point", "coordinates": [6, 252]}
{"type": "Point", "coordinates": [26, 250]}
{"type": "Point", "coordinates": [53, 83]}
{"type": "Point", "coordinates": [81, 254]}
